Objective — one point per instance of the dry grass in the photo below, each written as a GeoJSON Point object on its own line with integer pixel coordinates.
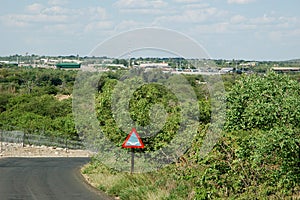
{"type": "Point", "coordinates": [124, 184]}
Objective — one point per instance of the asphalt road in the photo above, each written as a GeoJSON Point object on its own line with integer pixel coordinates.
{"type": "Point", "coordinates": [45, 179]}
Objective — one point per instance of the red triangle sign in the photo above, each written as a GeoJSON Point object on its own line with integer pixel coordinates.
{"type": "Point", "coordinates": [133, 140]}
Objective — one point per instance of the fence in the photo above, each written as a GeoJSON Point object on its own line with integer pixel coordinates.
{"type": "Point", "coordinates": [20, 137]}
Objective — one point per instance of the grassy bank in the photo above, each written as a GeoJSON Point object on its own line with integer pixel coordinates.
{"type": "Point", "coordinates": [229, 171]}
{"type": "Point", "coordinates": [154, 185]}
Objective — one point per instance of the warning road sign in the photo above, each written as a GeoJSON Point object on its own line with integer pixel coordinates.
{"type": "Point", "coordinates": [133, 140]}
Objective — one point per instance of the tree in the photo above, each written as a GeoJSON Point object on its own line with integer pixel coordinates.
{"type": "Point", "coordinates": [121, 61]}
{"type": "Point", "coordinates": [263, 102]}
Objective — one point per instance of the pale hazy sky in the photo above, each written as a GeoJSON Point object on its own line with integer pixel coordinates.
{"type": "Point", "coordinates": [230, 29]}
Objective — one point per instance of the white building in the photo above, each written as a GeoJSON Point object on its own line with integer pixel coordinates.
{"type": "Point", "coordinates": [154, 65]}
{"type": "Point", "coordinates": [226, 70]}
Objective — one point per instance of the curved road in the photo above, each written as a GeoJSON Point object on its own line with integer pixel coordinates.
{"type": "Point", "coordinates": [45, 179]}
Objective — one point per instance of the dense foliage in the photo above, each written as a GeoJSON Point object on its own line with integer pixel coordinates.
{"type": "Point", "coordinates": [31, 101]}
{"type": "Point", "coordinates": [263, 102]}
{"type": "Point", "coordinates": [142, 111]}
{"type": "Point", "coordinates": [139, 109]}
{"type": "Point", "coordinates": [257, 156]}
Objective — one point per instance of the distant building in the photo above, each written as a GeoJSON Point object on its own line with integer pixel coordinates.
{"type": "Point", "coordinates": [4, 62]}
{"type": "Point", "coordinates": [286, 69]}
{"type": "Point", "coordinates": [68, 65]}
{"type": "Point", "coordinates": [115, 65]}
{"type": "Point", "coordinates": [226, 70]}
{"type": "Point", "coordinates": [154, 65]}
{"type": "Point", "coordinates": [248, 64]}
{"type": "Point", "coordinates": [10, 63]}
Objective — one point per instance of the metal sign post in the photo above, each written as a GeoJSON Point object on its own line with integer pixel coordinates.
{"type": "Point", "coordinates": [132, 161]}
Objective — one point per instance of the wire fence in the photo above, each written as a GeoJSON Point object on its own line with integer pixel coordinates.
{"type": "Point", "coordinates": [22, 138]}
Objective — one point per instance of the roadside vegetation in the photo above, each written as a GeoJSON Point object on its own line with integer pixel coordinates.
{"type": "Point", "coordinates": [37, 101]}
{"type": "Point", "coordinates": [257, 156]}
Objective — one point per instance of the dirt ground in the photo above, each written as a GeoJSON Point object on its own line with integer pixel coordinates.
{"type": "Point", "coordinates": [17, 150]}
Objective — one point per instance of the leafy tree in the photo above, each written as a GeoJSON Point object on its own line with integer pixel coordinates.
{"type": "Point", "coordinates": [263, 102]}
{"type": "Point", "coordinates": [121, 61]}
{"type": "Point", "coordinates": [140, 106]}
{"type": "Point", "coordinates": [27, 101]}
{"type": "Point", "coordinates": [4, 99]}
{"type": "Point", "coordinates": [258, 156]}
{"type": "Point", "coordinates": [65, 127]}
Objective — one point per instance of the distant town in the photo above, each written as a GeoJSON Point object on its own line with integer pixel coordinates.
{"type": "Point", "coordinates": [171, 65]}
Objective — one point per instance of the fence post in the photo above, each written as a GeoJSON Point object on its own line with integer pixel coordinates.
{"type": "Point", "coordinates": [66, 145]}
{"type": "Point", "coordinates": [24, 136]}
{"type": "Point", "coordinates": [1, 141]}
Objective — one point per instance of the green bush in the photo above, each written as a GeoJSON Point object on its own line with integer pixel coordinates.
{"type": "Point", "coordinates": [262, 102]}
